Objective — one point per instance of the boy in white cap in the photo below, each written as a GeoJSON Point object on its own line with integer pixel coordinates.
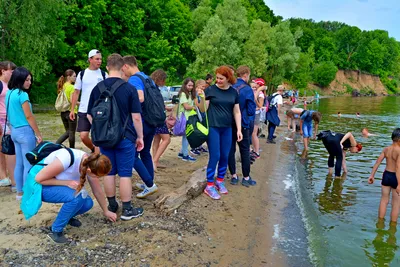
{"type": "Point", "coordinates": [85, 82]}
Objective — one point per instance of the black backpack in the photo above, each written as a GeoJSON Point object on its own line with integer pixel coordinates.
{"type": "Point", "coordinates": [103, 73]}
{"type": "Point", "coordinates": [45, 148]}
{"type": "Point", "coordinates": [107, 128]}
{"type": "Point", "coordinates": [153, 105]}
{"type": "Point", "coordinates": [1, 87]}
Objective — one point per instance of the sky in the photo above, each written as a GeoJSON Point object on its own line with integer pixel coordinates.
{"type": "Point", "coordinates": [365, 14]}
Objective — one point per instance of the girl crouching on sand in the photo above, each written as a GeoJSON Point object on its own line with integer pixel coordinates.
{"type": "Point", "coordinates": [63, 183]}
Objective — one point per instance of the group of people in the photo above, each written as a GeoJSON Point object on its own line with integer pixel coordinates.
{"type": "Point", "coordinates": [232, 106]}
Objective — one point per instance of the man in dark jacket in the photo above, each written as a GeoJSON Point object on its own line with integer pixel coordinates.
{"type": "Point", "coordinates": [247, 106]}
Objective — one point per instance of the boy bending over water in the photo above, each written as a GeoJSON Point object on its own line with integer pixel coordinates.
{"type": "Point", "coordinates": [391, 177]}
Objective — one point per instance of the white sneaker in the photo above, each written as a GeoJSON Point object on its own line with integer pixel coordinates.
{"type": "Point", "coordinates": [147, 191]}
{"type": "Point", "coordinates": [140, 186]}
{"type": "Point", "coordinates": [13, 189]}
{"type": "Point", "coordinates": [18, 197]}
{"type": "Point", "coordinates": [5, 182]}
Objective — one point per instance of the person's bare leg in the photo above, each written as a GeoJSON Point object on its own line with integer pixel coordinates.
{"type": "Point", "coordinates": [394, 215]}
{"type": "Point", "coordinates": [165, 141]}
{"type": "Point", "coordinates": [86, 140]}
{"type": "Point", "coordinates": [384, 201]}
{"type": "Point", "coordinates": [109, 185]}
{"type": "Point", "coordinates": [125, 189]}
{"type": "Point", "coordinates": [3, 167]}
{"type": "Point", "coordinates": [156, 144]}
{"type": "Point", "coordinates": [10, 162]}
{"type": "Point", "coordinates": [305, 140]}
{"type": "Point", "coordinates": [293, 125]}
{"type": "Point", "coordinates": [255, 140]}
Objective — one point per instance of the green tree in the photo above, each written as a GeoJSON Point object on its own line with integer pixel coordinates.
{"type": "Point", "coordinates": [201, 15]}
{"type": "Point", "coordinates": [30, 32]}
{"type": "Point", "coordinates": [302, 76]}
{"type": "Point", "coordinates": [213, 48]}
{"type": "Point", "coordinates": [283, 54]}
{"type": "Point", "coordinates": [324, 73]}
{"type": "Point", "coordinates": [255, 54]}
{"type": "Point", "coordinates": [234, 17]}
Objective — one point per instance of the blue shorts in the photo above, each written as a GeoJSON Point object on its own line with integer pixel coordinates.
{"type": "Point", "coordinates": [307, 129]}
{"type": "Point", "coordinates": [122, 158]}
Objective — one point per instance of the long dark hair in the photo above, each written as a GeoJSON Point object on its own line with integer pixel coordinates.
{"type": "Point", "coordinates": [18, 78]}
{"type": "Point", "coordinates": [185, 90]}
{"type": "Point", "coordinates": [63, 79]}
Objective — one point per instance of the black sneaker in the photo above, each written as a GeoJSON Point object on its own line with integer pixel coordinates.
{"type": "Point", "coordinates": [234, 180]}
{"type": "Point", "coordinates": [249, 182]}
{"type": "Point", "coordinates": [58, 237]}
{"type": "Point", "coordinates": [74, 222]}
{"type": "Point", "coordinates": [271, 141]}
{"type": "Point", "coordinates": [131, 213]}
{"type": "Point", "coordinates": [113, 209]}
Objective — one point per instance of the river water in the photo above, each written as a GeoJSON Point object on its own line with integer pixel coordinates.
{"type": "Point", "coordinates": [340, 215]}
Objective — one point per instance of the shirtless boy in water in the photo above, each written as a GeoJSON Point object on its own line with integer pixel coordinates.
{"type": "Point", "coordinates": [391, 177]}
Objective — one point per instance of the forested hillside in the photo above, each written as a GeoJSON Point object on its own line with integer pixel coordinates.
{"type": "Point", "coordinates": [189, 37]}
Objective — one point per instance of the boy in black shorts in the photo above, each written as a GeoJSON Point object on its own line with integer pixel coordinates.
{"type": "Point", "coordinates": [390, 181]}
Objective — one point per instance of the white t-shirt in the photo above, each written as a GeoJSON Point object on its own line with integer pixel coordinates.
{"type": "Point", "coordinates": [69, 173]}
{"type": "Point", "coordinates": [90, 79]}
{"type": "Point", "coordinates": [260, 95]}
{"type": "Point", "coordinates": [277, 100]}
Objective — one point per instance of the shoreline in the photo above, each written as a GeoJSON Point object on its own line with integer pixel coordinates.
{"type": "Point", "coordinates": [238, 230]}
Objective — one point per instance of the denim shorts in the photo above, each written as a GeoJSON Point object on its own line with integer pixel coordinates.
{"type": "Point", "coordinates": [307, 129]}
{"type": "Point", "coordinates": [122, 158]}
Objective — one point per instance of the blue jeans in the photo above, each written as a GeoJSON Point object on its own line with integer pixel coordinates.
{"type": "Point", "coordinates": [185, 146]}
{"type": "Point", "coordinates": [219, 145]}
{"type": "Point", "coordinates": [24, 141]}
{"type": "Point", "coordinates": [144, 165]}
{"type": "Point", "coordinates": [121, 158]}
{"type": "Point", "coordinates": [73, 205]}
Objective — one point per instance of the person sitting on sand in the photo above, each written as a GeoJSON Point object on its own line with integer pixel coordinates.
{"type": "Point", "coordinates": [293, 116]}
{"type": "Point", "coordinates": [366, 133]}
{"type": "Point", "coordinates": [337, 144]}
{"type": "Point", "coordinates": [306, 125]}
{"type": "Point", "coordinates": [64, 183]}
{"type": "Point", "coordinates": [390, 181]}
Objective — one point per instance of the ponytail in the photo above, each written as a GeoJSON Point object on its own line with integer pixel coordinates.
{"type": "Point", "coordinates": [63, 79]}
{"type": "Point", "coordinates": [60, 83]}
{"type": "Point", "coordinates": [98, 164]}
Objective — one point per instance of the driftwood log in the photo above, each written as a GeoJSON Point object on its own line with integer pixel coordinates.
{"type": "Point", "coordinates": [169, 202]}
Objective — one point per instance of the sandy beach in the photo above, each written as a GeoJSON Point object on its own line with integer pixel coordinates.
{"type": "Point", "coordinates": [237, 230]}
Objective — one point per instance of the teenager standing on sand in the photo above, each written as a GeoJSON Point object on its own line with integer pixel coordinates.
{"type": "Point", "coordinates": [24, 129]}
{"type": "Point", "coordinates": [161, 138]}
{"type": "Point", "coordinates": [7, 162]}
{"type": "Point", "coordinates": [187, 95]}
{"type": "Point", "coordinates": [222, 105]}
{"type": "Point", "coordinates": [65, 83]}
{"type": "Point", "coordinates": [86, 81]}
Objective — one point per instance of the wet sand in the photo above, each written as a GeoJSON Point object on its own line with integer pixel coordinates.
{"type": "Point", "coordinates": [237, 230]}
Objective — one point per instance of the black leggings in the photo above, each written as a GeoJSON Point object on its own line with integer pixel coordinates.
{"type": "Point", "coordinates": [332, 144]}
{"type": "Point", "coordinates": [70, 128]}
{"type": "Point", "coordinates": [244, 148]}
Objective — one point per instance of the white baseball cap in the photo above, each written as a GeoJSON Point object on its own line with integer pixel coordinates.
{"type": "Point", "coordinates": [93, 52]}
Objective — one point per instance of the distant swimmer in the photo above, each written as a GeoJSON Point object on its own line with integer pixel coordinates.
{"type": "Point", "coordinates": [339, 114]}
{"type": "Point", "coordinates": [358, 114]}
{"type": "Point", "coordinates": [337, 144]}
{"type": "Point", "coordinates": [366, 133]}
{"type": "Point", "coordinates": [390, 181]}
